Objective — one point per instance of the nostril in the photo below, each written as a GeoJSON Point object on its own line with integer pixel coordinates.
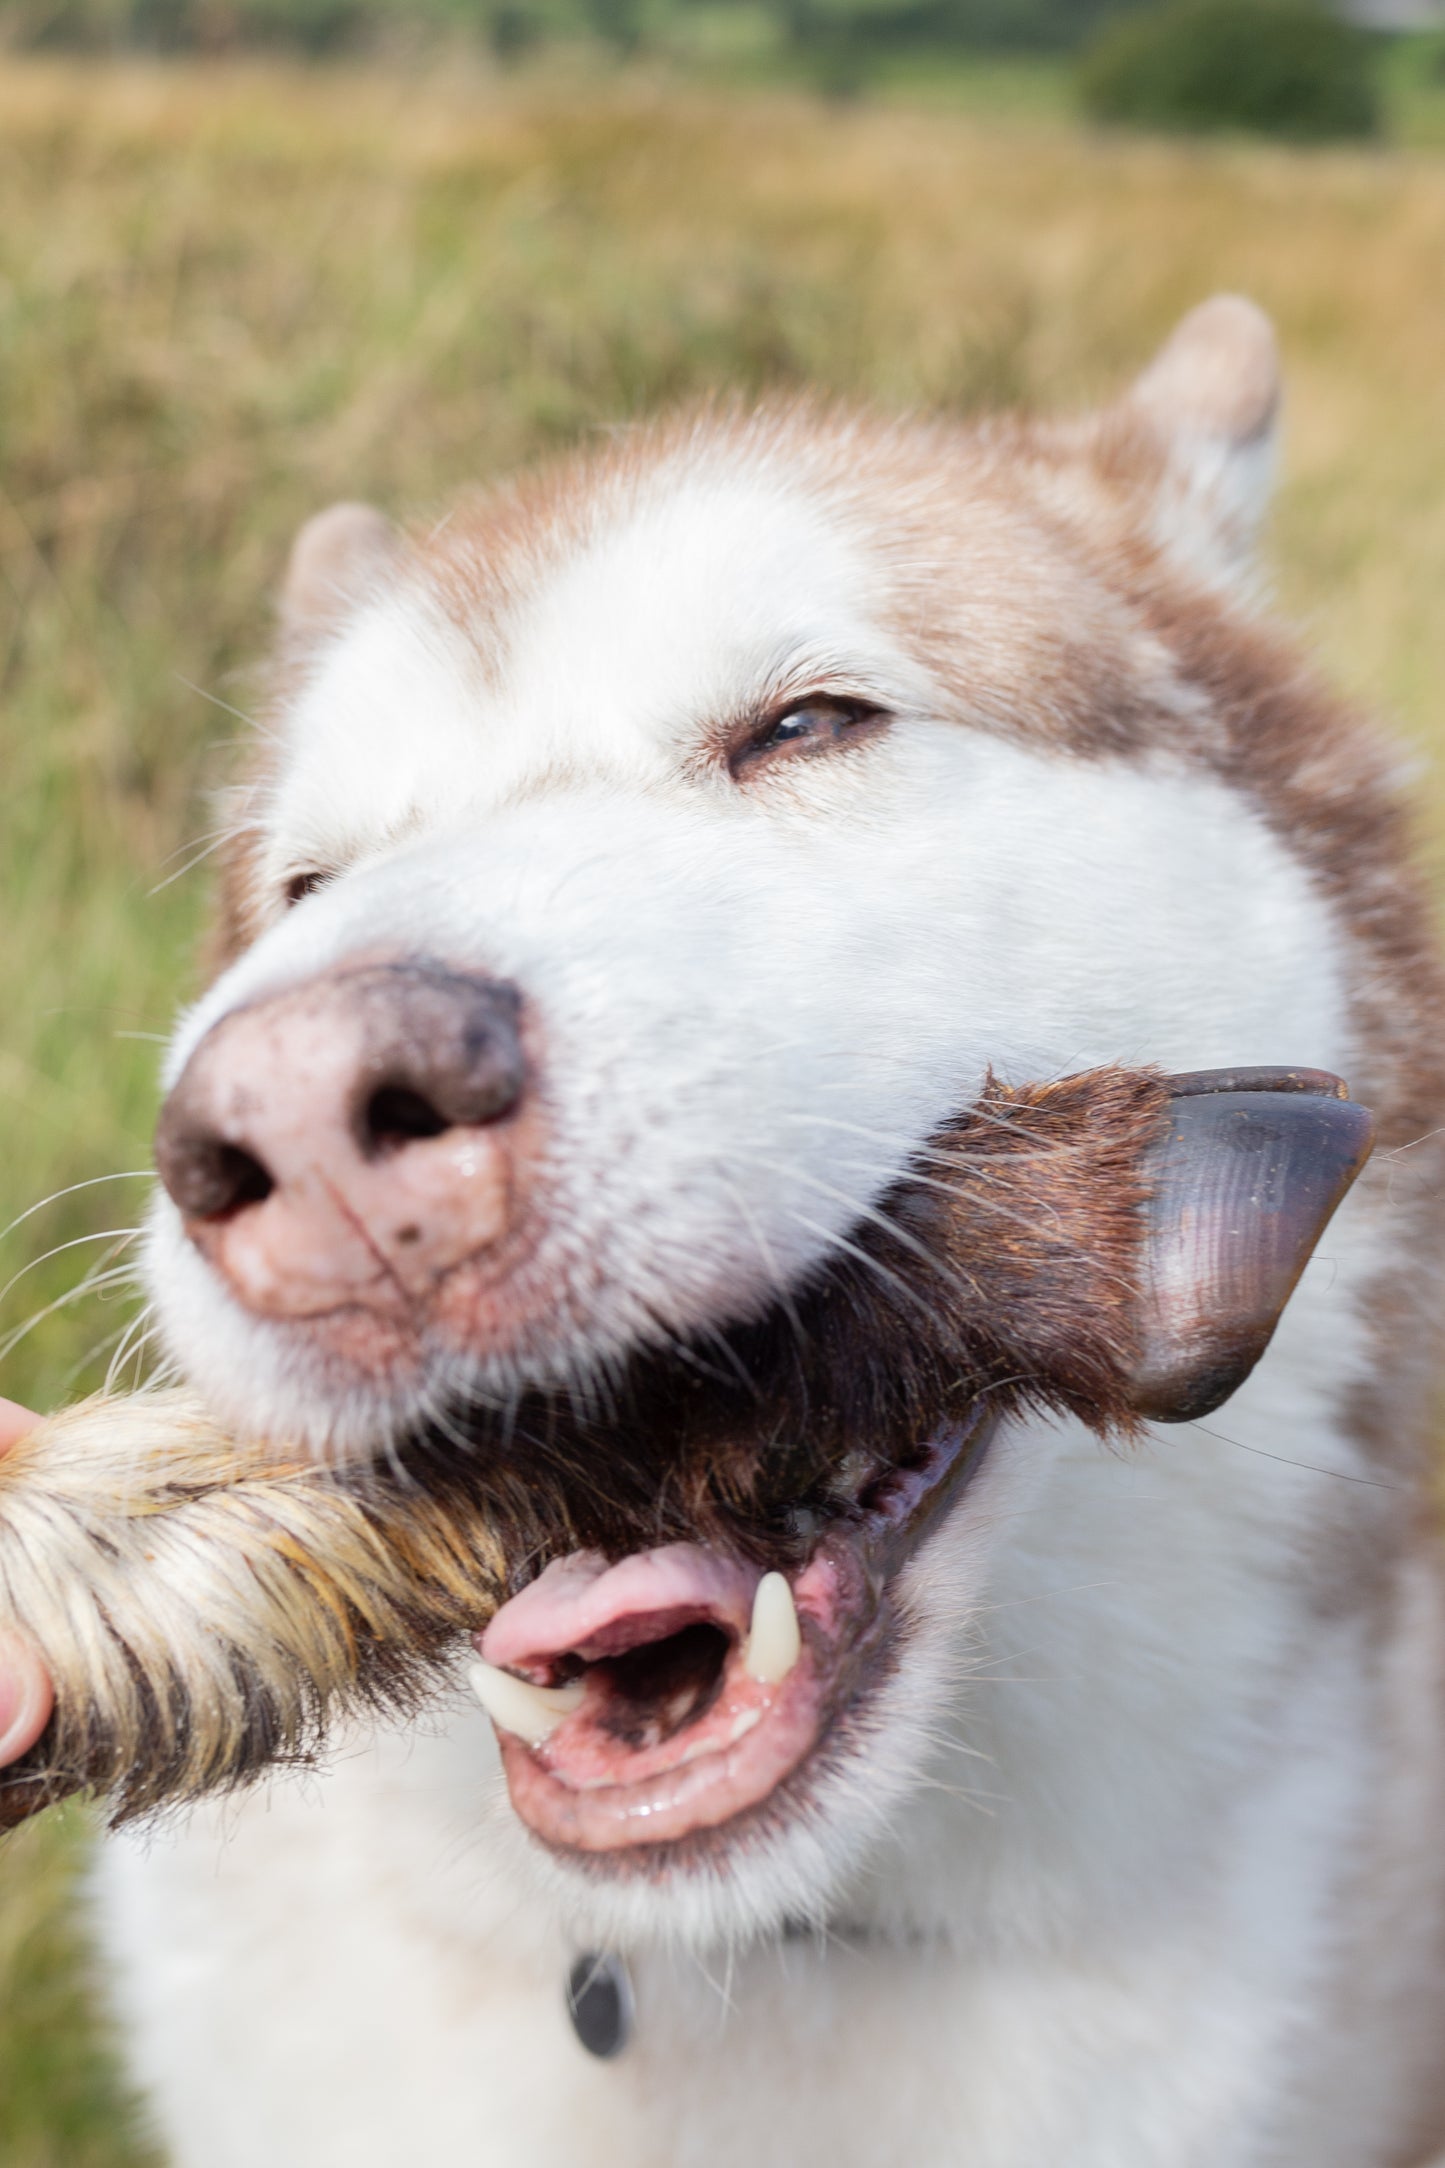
{"type": "Point", "coordinates": [238, 1179]}
{"type": "Point", "coordinates": [397, 1115]}
{"type": "Point", "coordinates": [451, 1058]}
{"type": "Point", "coordinates": [210, 1179]}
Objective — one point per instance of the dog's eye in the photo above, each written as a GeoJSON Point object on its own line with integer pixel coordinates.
{"type": "Point", "coordinates": [304, 884]}
{"type": "Point", "coordinates": [808, 726]}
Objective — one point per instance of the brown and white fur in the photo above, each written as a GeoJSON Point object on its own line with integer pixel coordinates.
{"type": "Point", "coordinates": [1140, 1859]}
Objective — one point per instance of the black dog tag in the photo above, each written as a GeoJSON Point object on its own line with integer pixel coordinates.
{"type": "Point", "coordinates": [599, 2003]}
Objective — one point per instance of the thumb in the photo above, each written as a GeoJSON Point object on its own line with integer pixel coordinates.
{"type": "Point", "coordinates": [25, 1698]}
{"type": "Point", "coordinates": [15, 1421]}
{"type": "Point", "coordinates": [25, 1693]}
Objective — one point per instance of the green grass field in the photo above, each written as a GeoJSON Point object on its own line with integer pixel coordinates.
{"type": "Point", "coordinates": [227, 297]}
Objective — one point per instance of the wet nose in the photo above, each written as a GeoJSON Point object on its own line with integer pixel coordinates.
{"type": "Point", "coordinates": [347, 1140]}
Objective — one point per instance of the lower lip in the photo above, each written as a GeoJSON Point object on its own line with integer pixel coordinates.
{"type": "Point", "coordinates": [695, 1794]}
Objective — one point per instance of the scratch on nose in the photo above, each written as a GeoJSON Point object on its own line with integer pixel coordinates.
{"type": "Point", "coordinates": [359, 1227]}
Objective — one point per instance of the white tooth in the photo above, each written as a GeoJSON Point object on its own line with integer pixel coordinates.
{"type": "Point", "coordinates": [532, 1712]}
{"type": "Point", "coordinates": [774, 1642]}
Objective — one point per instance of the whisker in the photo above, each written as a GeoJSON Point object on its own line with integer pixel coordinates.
{"type": "Point", "coordinates": [978, 1198]}
{"type": "Point", "coordinates": [979, 1166]}
{"type": "Point", "coordinates": [981, 1170]}
{"type": "Point", "coordinates": [208, 850]}
{"type": "Point", "coordinates": [777, 1279]}
{"type": "Point", "coordinates": [92, 1284]}
{"type": "Point", "coordinates": [1044, 1146]}
{"type": "Point", "coordinates": [92, 1355]}
{"type": "Point", "coordinates": [890, 1226]}
{"type": "Point", "coordinates": [143, 1328]}
{"type": "Point", "coordinates": [832, 1241]}
{"type": "Point", "coordinates": [131, 1174]}
{"type": "Point", "coordinates": [437, 1409]}
{"type": "Point", "coordinates": [1368, 1482]}
{"type": "Point", "coordinates": [252, 722]}
{"type": "Point", "coordinates": [121, 1235]}
{"type": "Point", "coordinates": [211, 835]}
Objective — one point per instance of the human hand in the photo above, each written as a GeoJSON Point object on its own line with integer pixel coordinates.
{"type": "Point", "coordinates": [25, 1692]}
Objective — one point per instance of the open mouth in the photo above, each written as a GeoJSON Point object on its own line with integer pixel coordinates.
{"type": "Point", "coordinates": [722, 1549]}
{"type": "Point", "coordinates": [720, 1543]}
{"type": "Point", "coordinates": [641, 1703]}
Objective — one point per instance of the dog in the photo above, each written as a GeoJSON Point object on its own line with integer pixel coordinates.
{"type": "Point", "coordinates": [644, 869]}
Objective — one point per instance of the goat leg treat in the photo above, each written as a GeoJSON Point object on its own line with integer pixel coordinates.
{"type": "Point", "coordinates": [208, 1609]}
{"type": "Point", "coordinates": [1116, 1245]}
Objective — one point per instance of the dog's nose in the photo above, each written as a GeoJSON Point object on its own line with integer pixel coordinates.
{"type": "Point", "coordinates": [347, 1141]}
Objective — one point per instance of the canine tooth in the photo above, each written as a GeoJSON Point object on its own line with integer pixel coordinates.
{"type": "Point", "coordinates": [774, 1642]}
{"type": "Point", "coordinates": [532, 1712]}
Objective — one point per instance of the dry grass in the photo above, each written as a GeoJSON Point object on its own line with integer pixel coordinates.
{"type": "Point", "coordinates": [226, 298]}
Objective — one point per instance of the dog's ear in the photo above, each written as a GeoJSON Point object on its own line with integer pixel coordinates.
{"type": "Point", "coordinates": [337, 560]}
{"type": "Point", "coordinates": [1209, 405]}
{"type": "Point", "coordinates": [1242, 1184]}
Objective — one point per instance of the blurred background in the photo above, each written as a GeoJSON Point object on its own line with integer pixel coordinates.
{"type": "Point", "coordinates": [259, 254]}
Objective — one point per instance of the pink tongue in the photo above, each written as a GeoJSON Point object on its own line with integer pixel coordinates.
{"type": "Point", "coordinates": [581, 1606]}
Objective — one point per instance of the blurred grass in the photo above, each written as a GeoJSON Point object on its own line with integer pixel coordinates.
{"type": "Point", "coordinates": [60, 2105]}
{"type": "Point", "coordinates": [226, 297]}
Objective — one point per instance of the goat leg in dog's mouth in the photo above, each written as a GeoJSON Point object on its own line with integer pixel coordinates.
{"type": "Point", "coordinates": [1117, 1245]}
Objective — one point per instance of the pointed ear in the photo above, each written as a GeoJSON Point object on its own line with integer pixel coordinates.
{"type": "Point", "coordinates": [338, 559]}
{"type": "Point", "coordinates": [1210, 400]}
{"type": "Point", "coordinates": [1242, 1185]}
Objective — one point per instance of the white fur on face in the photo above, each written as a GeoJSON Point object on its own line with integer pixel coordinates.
{"type": "Point", "coordinates": [756, 999]}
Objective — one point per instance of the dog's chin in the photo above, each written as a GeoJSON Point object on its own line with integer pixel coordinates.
{"type": "Point", "coordinates": [697, 1748]}
{"type": "Point", "coordinates": [800, 1862]}
{"type": "Point", "coordinates": [793, 1869]}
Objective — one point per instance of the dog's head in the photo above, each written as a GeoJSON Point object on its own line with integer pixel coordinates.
{"type": "Point", "coordinates": [649, 869]}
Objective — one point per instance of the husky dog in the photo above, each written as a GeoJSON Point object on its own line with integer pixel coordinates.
{"type": "Point", "coordinates": [648, 867]}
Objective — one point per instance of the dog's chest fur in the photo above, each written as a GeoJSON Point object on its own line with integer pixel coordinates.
{"type": "Point", "coordinates": [1139, 1864]}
